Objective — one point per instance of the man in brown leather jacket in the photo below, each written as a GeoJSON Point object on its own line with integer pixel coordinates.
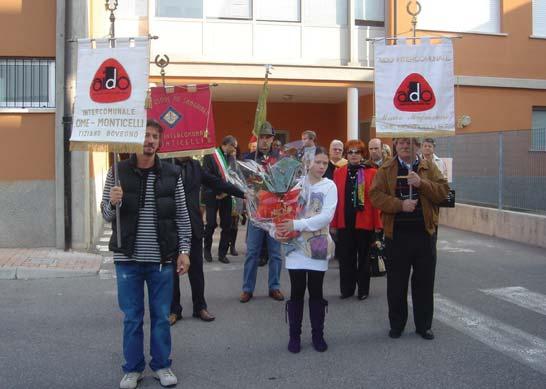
{"type": "Point", "coordinates": [408, 190]}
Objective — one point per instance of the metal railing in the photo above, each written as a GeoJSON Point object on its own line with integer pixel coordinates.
{"type": "Point", "coordinates": [27, 83]}
{"type": "Point", "coordinates": [505, 169]}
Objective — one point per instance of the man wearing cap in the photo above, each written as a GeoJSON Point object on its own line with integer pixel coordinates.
{"type": "Point", "coordinates": [255, 235]}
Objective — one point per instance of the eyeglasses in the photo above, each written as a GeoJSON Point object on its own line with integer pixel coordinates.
{"type": "Point", "coordinates": [340, 150]}
{"type": "Point", "coordinates": [353, 152]}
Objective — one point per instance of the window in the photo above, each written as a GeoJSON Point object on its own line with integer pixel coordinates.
{"type": "Point", "coordinates": [370, 13]}
{"type": "Point", "coordinates": [229, 9]}
{"type": "Point", "coordinates": [278, 10]}
{"type": "Point", "coordinates": [538, 132]}
{"type": "Point", "coordinates": [179, 9]}
{"type": "Point", "coordinates": [27, 83]}
{"type": "Point", "coordinates": [325, 12]}
{"type": "Point", "coordinates": [463, 15]}
{"type": "Point", "coordinates": [539, 18]}
{"type": "Point", "coordinates": [132, 8]}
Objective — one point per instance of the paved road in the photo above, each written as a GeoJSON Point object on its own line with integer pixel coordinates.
{"type": "Point", "coordinates": [490, 326]}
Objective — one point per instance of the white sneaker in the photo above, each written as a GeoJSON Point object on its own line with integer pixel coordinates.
{"type": "Point", "coordinates": [166, 377]}
{"type": "Point", "coordinates": [130, 380]}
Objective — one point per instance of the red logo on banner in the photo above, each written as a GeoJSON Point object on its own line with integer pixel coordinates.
{"type": "Point", "coordinates": [414, 94]}
{"type": "Point", "coordinates": [111, 83]}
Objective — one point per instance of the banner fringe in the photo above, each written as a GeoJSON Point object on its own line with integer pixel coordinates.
{"type": "Point", "coordinates": [414, 134]}
{"type": "Point", "coordinates": [186, 153]}
{"type": "Point", "coordinates": [106, 147]}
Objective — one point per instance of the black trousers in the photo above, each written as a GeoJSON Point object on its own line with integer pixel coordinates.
{"type": "Point", "coordinates": [411, 251]}
{"type": "Point", "coordinates": [222, 206]}
{"type": "Point", "coordinates": [197, 280]}
{"type": "Point", "coordinates": [354, 261]}
{"type": "Point", "coordinates": [302, 279]}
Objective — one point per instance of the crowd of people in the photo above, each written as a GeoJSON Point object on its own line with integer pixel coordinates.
{"type": "Point", "coordinates": [352, 195]}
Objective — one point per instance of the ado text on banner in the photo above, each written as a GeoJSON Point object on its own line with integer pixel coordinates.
{"type": "Point", "coordinates": [414, 89]}
{"type": "Point", "coordinates": [111, 85]}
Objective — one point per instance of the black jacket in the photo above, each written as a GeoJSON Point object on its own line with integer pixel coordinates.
{"type": "Point", "coordinates": [211, 167]}
{"type": "Point", "coordinates": [193, 176]}
{"type": "Point", "coordinates": [330, 171]}
{"type": "Point", "coordinates": [271, 157]}
{"type": "Point", "coordinates": [130, 178]}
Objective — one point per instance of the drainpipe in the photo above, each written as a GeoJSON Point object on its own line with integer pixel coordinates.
{"type": "Point", "coordinates": [62, 240]}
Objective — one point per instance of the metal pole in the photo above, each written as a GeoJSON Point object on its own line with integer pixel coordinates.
{"type": "Point", "coordinates": [501, 168]}
{"type": "Point", "coordinates": [414, 30]}
{"type": "Point", "coordinates": [112, 6]}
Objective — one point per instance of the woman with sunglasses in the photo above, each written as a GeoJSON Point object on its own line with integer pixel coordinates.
{"type": "Point", "coordinates": [355, 220]}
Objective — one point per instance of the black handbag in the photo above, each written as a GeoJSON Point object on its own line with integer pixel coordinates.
{"type": "Point", "coordinates": [449, 202]}
{"type": "Point", "coordinates": [377, 256]}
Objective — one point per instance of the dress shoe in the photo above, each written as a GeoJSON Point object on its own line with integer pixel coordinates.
{"type": "Point", "coordinates": [345, 296]}
{"type": "Point", "coordinates": [362, 296]}
{"type": "Point", "coordinates": [245, 297]}
{"type": "Point", "coordinates": [204, 315]}
{"type": "Point", "coordinates": [276, 294]}
{"type": "Point", "coordinates": [173, 318]}
{"type": "Point", "coordinates": [223, 259]}
{"type": "Point", "coordinates": [207, 255]}
{"type": "Point", "coordinates": [395, 334]}
{"type": "Point", "coordinates": [233, 251]}
{"type": "Point", "coordinates": [427, 334]}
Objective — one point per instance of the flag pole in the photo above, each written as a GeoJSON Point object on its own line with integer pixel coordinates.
{"type": "Point", "coordinates": [112, 6]}
{"type": "Point", "coordinates": [261, 110]}
{"type": "Point", "coordinates": [414, 33]}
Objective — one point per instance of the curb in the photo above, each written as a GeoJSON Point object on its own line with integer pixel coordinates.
{"type": "Point", "coordinates": [25, 273]}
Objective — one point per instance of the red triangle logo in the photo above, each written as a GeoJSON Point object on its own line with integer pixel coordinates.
{"type": "Point", "coordinates": [111, 83]}
{"type": "Point", "coordinates": [414, 94]}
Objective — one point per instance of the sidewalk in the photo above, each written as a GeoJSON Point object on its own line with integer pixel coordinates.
{"type": "Point", "coordinates": [47, 263]}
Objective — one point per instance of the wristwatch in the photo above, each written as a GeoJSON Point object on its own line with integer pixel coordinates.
{"type": "Point", "coordinates": [185, 252]}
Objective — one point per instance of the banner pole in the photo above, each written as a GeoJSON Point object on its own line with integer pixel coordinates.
{"type": "Point", "coordinates": [112, 6]}
{"type": "Point", "coordinates": [414, 33]}
{"type": "Point", "coordinates": [162, 63]}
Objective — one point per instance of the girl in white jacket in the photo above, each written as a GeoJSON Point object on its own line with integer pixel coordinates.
{"type": "Point", "coordinates": [308, 260]}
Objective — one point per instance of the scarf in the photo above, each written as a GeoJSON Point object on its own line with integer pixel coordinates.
{"type": "Point", "coordinates": [356, 175]}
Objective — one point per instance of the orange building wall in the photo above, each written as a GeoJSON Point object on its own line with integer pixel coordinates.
{"type": "Point", "coordinates": [515, 55]}
{"type": "Point", "coordinates": [29, 142]}
{"type": "Point", "coordinates": [496, 109]}
{"type": "Point", "coordinates": [27, 28]}
{"type": "Point", "coordinates": [237, 118]}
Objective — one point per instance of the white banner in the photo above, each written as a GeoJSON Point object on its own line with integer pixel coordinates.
{"type": "Point", "coordinates": [414, 89]}
{"type": "Point", "coordinates": [111, 87]}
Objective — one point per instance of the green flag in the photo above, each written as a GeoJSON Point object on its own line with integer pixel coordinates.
{"type": "Point", "coordinates": [261, 109]}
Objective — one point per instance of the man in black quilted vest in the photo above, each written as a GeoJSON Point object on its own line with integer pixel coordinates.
{"type": "Point", "coordinates": [155, 231]}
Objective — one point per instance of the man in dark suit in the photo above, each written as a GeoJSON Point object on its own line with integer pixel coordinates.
{"type": "Point", "coordinates": [193, 176]}
{"type": "Point", "coordinates": [216, 201]}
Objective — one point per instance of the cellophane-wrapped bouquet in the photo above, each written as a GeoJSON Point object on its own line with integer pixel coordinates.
{"type": "Point", "coordinates": [273, 190]}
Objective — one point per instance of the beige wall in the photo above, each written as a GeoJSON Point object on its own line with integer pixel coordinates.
{"type": "Point", "coordinates": [27, 28]}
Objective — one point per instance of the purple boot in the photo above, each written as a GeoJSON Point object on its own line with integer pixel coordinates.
{"type": "Point", "coordinates": [317, 312]}
{"type": "Point", "coordinates": [294, 312]}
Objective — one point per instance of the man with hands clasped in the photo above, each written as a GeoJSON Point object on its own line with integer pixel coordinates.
{"type": "Point", "coordinates": [155, 231]}
{"type": "Point", "coordinates": [407, 190]}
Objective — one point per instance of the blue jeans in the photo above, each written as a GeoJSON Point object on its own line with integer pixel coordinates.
{"type": "Point", "coordinates": [130, 279]}
{"type": "Point", "coordinates": [254, 239]}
